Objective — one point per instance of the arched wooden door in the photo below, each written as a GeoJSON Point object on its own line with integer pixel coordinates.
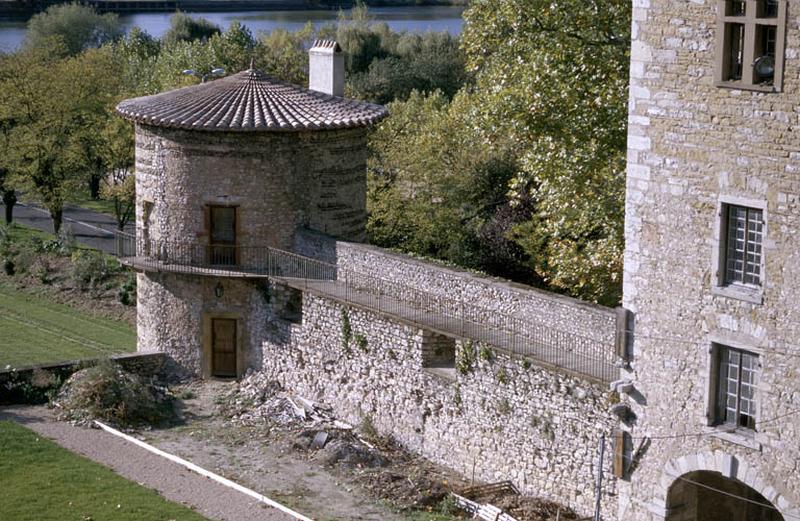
{"type": "Point", "coordinates": [223, 347]}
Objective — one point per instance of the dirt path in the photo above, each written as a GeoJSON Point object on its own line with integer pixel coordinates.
{"type": "Point", "coordinates": [263, 462]}
{"type": "Point", "coordinates": [171, 480]}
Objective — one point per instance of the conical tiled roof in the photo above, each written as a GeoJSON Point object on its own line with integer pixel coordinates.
{"type": "Point", "coordinates": [249, 101]}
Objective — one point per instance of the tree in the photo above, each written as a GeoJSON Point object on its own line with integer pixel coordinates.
{"type": "Point", "coordinates": [184, 28]}
{"type": "Point", "coordinates": [119, 185]}
{"type": "Point", "coordinates": [55, 102]}
{"type": "Point", "coordinates": [552, 77]}
{"type": "Point", "coordinates": [8, 194]}
{"type": "Point", "coordinates": [78, 27]}
{"type": "Point", "coordinates": [436, 190]}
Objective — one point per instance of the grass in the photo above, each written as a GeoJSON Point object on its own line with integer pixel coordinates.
{"type": "Point", "coordinates": [45, 482]}
{"type": "Point", "coordinates": [84, 200]}
{"type": "Point", "coordinates": [20, 234]}
{"type": "Point", "coordinates": [34, 330]}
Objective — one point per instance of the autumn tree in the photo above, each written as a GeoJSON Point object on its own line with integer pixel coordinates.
{"type": "Point", "coordinates": [552, 77]}
{"type": "Point", "coordinates": [55, 102]}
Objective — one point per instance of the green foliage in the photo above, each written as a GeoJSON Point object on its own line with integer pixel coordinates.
{"type": "Point", "coordinates": [57, 105]}
{"type": "Point", "coordinates": [90, 268]}
{"type": "Point", "coordinates": [361, 343]}
{"type": "Point", "coordinates": [367, 428]}
{"type": "Point", "coordinates": [448, 506]}
{"type": "Point", "coordinates": [127, 291]}
{"type": "Point", "coordinates": [347, 331]}
{"type": "Point", "coordinates": [467, 357]}
{"type": "Point", "coordinates": [405, 62]}
{"type": "Point", "coordinates": [435, 188]}
{"type": "Point", "coordinates": [486, 353]}
{"type": "Point", "coordinates": [184, 28]}
{"type": "Point", "coordinates": [501, 376]}
{"type": "Point", "coordinates": [383, 65]}
{"type": "Point", "coordinates": [76, 27]}
{"type": "Point", "coordinates": [553, 78]}
{"type": "Point", "coordinates": [283, 54]}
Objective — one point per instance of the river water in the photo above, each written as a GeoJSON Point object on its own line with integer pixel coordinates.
{"type": "Point", "coordinates": [418, 19]}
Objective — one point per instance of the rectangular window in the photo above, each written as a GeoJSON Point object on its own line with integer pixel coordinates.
{"type": "Point", "coordinates": [750, 44]}
{"type": "Point", "coordinates": [736, 393]}
{"type": "Point", "coordinates": [222, 239]}
{"type": "Point", "coordinates": [743, 246]}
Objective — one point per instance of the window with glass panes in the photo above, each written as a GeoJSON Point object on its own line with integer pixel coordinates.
{"type": "Point", "coordinates": [738, 379]}
{"type": "Point", "coordinates": [750, 44]}
{"type": "Point", "coordinates": [744, 235]}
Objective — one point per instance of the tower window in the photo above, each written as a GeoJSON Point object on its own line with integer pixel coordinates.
{"type": "Point", "coordinates": [743, 245]}
{"type": "Point", "coordinates": [737, 380]}
{"type": "Point", "coordinates": [750, 44]}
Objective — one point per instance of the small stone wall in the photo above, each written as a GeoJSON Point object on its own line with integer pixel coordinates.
{"type": "Point", "coordinates": [498, 418]}
{"type": "Point", "coordinates": [30, 384]}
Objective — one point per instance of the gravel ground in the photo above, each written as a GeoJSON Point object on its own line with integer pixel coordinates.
{"type": "Point", "coordinates": [171, 480]}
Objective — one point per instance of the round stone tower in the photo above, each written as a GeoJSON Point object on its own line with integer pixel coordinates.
{"type": "Point", "coordinates": [224, 171]}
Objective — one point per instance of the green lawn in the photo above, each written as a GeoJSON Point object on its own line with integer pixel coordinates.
{"type": "Point", "coordinates": [83, 200]}
{"type": "Point", "coordinates": [45, 482]}
{"type": "Point", "coordinates": [35, 330]}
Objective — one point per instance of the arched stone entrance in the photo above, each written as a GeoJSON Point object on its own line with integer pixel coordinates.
{"type": "Point", "coordinates": [709, 496]}
{"type": "Point", "coordinates": [721, 471]}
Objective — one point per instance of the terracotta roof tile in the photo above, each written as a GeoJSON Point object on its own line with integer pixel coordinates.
{"type": "Point", "coordinates": [250, 101]}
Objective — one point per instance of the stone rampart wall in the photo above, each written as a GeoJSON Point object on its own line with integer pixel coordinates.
{"type": "Point", "coordinates": [486, 297]}
{"type": "Point", "coordinates": [503, 418]}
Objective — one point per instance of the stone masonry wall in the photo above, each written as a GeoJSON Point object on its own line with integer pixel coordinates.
{"type": "Point", "coordinates": [402, 275]}
{"type": "Point", "coordinates": [505, 418]}
{"type": "Point", "coordinates": [172, 309]}
{"type": "Point", "coordinates": [693, 146]}
{"type": "Point", "coordinates": [277, 180]}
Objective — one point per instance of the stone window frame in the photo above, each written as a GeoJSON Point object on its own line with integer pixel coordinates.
{"type": "Point", "coordinates": [748, 293]}
{"type": "Point", "coordinates": [751, 22]}
{"type": "Point", "coordinates": [750, 438]}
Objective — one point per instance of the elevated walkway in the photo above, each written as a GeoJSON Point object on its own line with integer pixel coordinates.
{"type": "Point", "coordinates": [521, 336]}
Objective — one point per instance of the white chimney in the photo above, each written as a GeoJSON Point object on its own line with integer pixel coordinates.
{"type": "Point", "coordinates": [326, 68]}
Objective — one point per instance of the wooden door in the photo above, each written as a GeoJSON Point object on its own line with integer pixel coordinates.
{"type": "Point", "coordinates": [223, 236]}
{"type": "Point", "coordinates": [223, 347]}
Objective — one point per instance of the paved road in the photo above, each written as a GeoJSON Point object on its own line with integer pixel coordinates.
{"type": "Point", "coordinates": [90, 228]}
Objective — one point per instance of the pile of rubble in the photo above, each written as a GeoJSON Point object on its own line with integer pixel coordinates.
{"type": "Point", "coordinates": [378, 464]}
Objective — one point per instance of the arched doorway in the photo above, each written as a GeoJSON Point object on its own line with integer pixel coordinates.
{"type": "Point", "coordinates": [709, 496]}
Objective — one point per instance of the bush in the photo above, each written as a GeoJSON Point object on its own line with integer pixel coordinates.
{"type": "Point", "coordinates": [90, 268]}
{"type": "Point", "coordinates": [106, 392]}
{"type": "Point", "coordinates": [127, 291]}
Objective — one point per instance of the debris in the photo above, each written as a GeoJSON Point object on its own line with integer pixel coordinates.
{"type": "Point", "coordinates": [319, 440]}
{"type": "Point", "coordinates": [486, 511]}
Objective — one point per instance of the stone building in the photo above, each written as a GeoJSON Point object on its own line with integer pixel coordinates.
{"type": "Point", "coordinates": [712, 264]}
{"type": "Point", "coordinates": [249, 245]}
{"type": "Point", "coordinates": [224, 171]}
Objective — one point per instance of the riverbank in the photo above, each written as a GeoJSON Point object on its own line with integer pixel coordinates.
{"type": "Point", "coordinates": [22, 10]}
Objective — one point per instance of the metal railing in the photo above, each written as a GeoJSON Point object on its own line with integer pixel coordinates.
{"type": "Point", "coordinates": [525, 336]}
